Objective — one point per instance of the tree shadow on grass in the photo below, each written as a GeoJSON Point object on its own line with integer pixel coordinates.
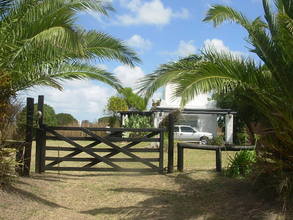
{"type": "Point", "coordinates": [31, 196]}
{"type": "Point", "coordinates": [216, 198]}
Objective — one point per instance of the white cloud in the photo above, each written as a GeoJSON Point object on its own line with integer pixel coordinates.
{"type": "Point", "coordinates": [128, 76]}
{"type": "Point", "coordinates": [136, 41]}
{"type": "Point", "coordinates": [185, 48]}
{"type": "Point", "coordinates": [219, 45]}
{"type": "Point", "coordinates": [82, 98]}
{"type": "Point", "coordinates": [151, 12]}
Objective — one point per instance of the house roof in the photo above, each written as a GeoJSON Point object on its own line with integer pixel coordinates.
{"type": "Point", "coordinates": [185, 111]}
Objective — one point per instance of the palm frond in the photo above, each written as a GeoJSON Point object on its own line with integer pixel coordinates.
{"type": "Point", "coordinates": [167, 73]}
{"type": "Point", "coordinates": [84, 71]}
{"type": "Point", "coordinates": [36, 35]}
{"type": "Point", "coordinates": [104, 47]}
{"type": "Point", "coordinates": [219, 14]}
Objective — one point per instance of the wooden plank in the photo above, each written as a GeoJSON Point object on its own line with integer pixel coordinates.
{"type": "Point", "coordinates": [161, 155]}
{"type": "Point", "coordinates": [214, 147]}
{"type": "Point", "coordinates": [180, 157]}
{"type": "Point", "coordinates": [39, 135]}
{"type": "Point", "coordinates": [117, 139]}
{"type": "Point", "coordinates": [19, 160]}
{"type": "Point", "coordinates": [28, 136]}
{"type": "Point", "coordinates": [143, 150]}
{"type": "Point", "coordinates": [56, 128]}
{"type": "Point", "coordinates": [112, 139]}
{"type": "Point", "coordinates": [128, 146]}
{"type": "Point", "coordinates": [171, 143]}
{"type": "Point", "coordinates": [119, 149]}
{"type": "Point", "coordinates": [101, 169]}
{"type": "Point", "coordinates": [86, 150]}
{"type": "Point", "coordinates": [82, 159]}
{"type": "Point", "coordinates": [43, 151]}
{"type": "Point", "coordinates": [218, 160]}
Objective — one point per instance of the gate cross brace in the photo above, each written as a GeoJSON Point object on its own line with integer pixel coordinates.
{"type": "Point", "coordinates": [122, 150]}
{"type": "Point", "coordinates": [76, 152]}
{"type": "Point", "coordinates": [86, 150]}
{"type": "Point", "coordinates": [124, 147]}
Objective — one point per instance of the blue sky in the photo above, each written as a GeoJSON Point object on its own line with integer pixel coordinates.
{"type": "Point", "coordinates": [160, 31]}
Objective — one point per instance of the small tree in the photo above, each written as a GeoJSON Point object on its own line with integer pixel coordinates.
{"type": "Point", "coordinates": [65, 119]}
{"type": "Point", "coordinates": [133, 100]}
{"type": "Point", "coordinates": [114, 105]}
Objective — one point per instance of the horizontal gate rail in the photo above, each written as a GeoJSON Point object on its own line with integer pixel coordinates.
{"type": "Point", "coordinates": [80, 159]}
{"type": "Point", "coordinates": [99, 169]}
{"type": "Point", "coordinates": [143, 150]}
{"type": "Point", "coordinates": [56, 128]}
{"type": "Point", "coordinates": [112, 139]}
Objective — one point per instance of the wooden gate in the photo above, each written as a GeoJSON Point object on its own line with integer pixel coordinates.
{"type": "Point", "coordinates": [92, 151]}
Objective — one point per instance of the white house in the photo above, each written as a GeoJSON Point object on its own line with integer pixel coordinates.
{"type": "Point", "coordinates": [203, 122]}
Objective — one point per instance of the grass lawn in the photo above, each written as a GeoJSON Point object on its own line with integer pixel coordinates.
{"type": "Point", "coordinates": [197, 193]}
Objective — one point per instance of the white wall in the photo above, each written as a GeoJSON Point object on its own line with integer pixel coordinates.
{"type": "Point", "coordinates": [206, 123]}
{"type": "Point", "coordinates": [200, 101]}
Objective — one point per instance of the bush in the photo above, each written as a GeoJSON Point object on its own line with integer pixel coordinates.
{"type": "Point", "coordinates": [241, 164]}
{"type": "Point", "coordinates": [137, 121]}
{"type": "Point", "coordinates": [242, 138]}
{"type": "Point", "coordinates": [218, 140]}
{"type": "Point", "coordinates": [65, 119]}
{"type": "Point", "coordinates": [274, 185]}
{"type": "Point", "coordinates": [7, 165]}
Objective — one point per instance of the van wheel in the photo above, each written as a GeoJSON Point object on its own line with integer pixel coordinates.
{"type": "Point", "coordinates": [204, 140]}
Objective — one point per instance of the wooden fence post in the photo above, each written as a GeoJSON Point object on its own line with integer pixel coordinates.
{"type": "Point", "coordinates": [43, 150]}
{"type": "Point", "coordinates": [39, 135]}
{"type": "Point", "coordinates": [180, 157]}
{"type": "Point", "coordinates": [171, 143]}
{"type": "Point", "coordinates": [19, 160]}
{"type": "Point", "coordinates": [218, 160]}
{"type": "Point", "coordinates": [161, 162]}
{"type": "Point", "coordinates": [28, 135]}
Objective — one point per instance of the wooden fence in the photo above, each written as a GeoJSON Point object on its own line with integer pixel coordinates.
{"type": "Point", "coordinates": [24, 148]}
{"type": "Point", "coordinates": [218, 151]}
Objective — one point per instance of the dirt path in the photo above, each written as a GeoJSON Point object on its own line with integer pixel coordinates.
{"type": "Point", "coordinates": [194, 195]}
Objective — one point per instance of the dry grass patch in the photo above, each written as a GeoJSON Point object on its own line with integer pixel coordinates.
{"type": "Point", "coordinates": [198, 193]}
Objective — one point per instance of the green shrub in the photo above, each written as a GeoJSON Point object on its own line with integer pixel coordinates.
{"type": "Point", "coordinates": [137, 121]}
{"type": "Point", "coordinates": [7, 165]}
{"type": "Point", "coordinates": [242, 138]}
{"type": "Point", "coordinates": [273, 184]}
{"type": "Point", "coordinates": [241, 164]}
{"type": "Point", "coordinates": [218, 140]}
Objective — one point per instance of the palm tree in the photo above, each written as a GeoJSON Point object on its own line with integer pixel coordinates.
{"type": "Point", "coordinates": [268, 86]}
{"type": "Point", "coordinates": [42, 45]}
